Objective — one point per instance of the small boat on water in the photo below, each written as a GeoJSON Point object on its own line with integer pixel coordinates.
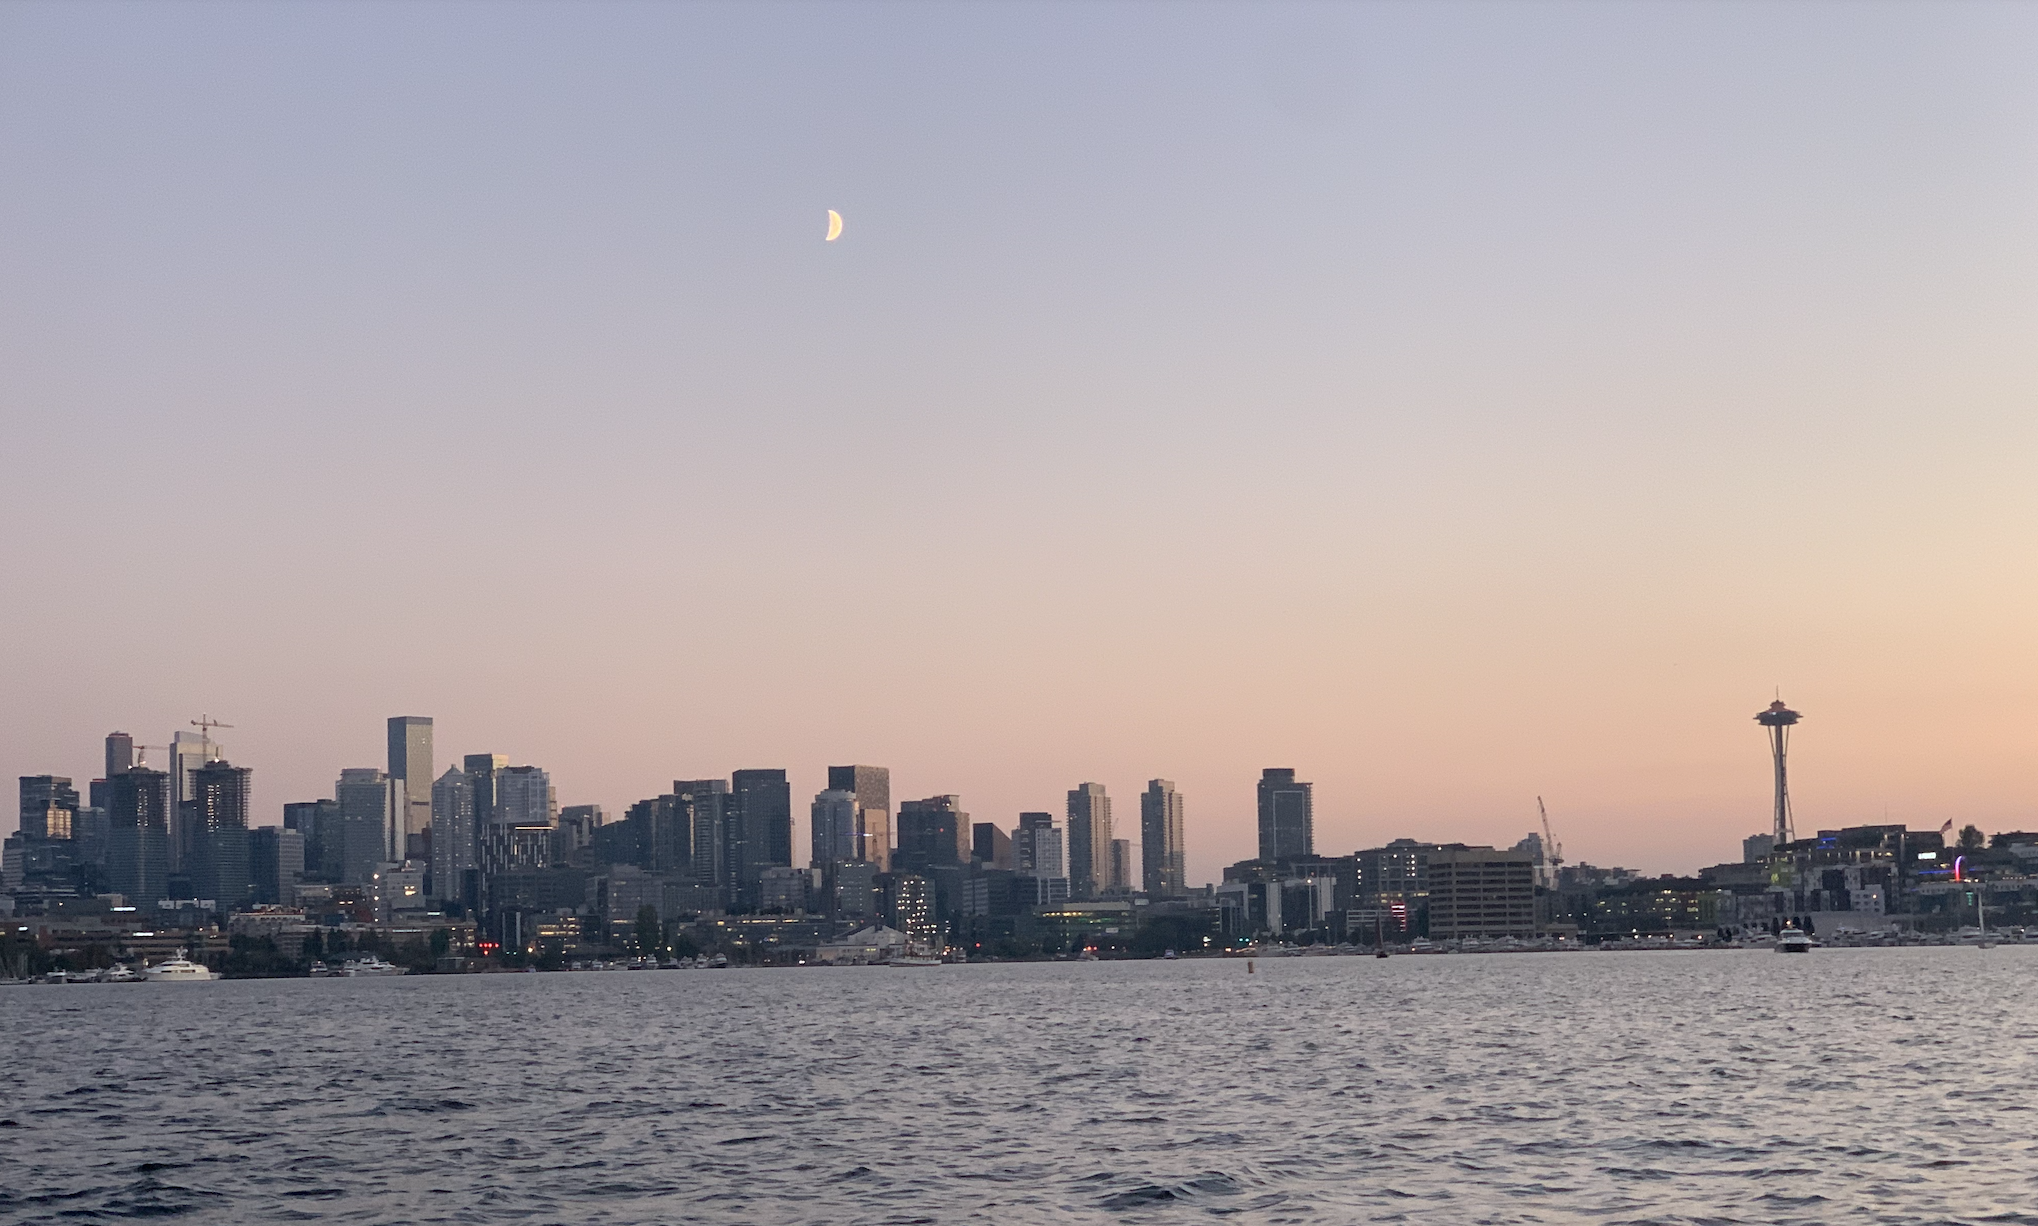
{"type": "Point", "coordinates": [914, 955]}
{"type": "Point", "coordinates": [1792, 940]}
{"type": "Point", "coordinates": [180, 969]}
{"type": "Point", "coordinates": [1170, 956]}
{"type": "Point", "coordinates": [371, 966]}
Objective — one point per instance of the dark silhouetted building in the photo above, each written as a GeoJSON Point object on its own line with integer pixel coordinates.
{"type": "Point", "coordinates": [1287, 816]}
{"type": "Point", "coordinates": [932, 832]}
{"type": "Point", "coordinates": [1163, 866]}
{"type": "Point", "coordinates": [1089, 841]}
{"type": "Point", "coordinates": [138, 835]}
{"type": "Point", "coordinates": [217, 823]}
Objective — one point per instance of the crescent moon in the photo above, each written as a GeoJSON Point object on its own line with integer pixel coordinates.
{"type": "Point", "coordinates": [834, 225]}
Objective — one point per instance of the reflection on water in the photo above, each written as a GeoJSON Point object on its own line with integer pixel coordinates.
{"type": "Point", "coordinates": [1852, 1085]}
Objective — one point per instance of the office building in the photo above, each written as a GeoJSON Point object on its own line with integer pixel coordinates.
{"type": "Point", "coordinates": [119, 753]}
{"type": "Point", "coordinates": [276, 864]}
{"type": "Point", "coordinates": [138, 835]}
{"type": "Point", "coordinates": [990, 846]}
{"type": "Point", "coordinates": [1038, 858]}
{"type": "Point", "coordinates": [1756, 848]}
{"type": "Point", "coordinates": [188, 752]}
{"type": "Point", "coordinates": [872, 787]}
{"type": "Point", "coordinates": [1089, 816]}
{"type": "Point", "coordinates": [524, 796]}
{"type": "Point", "coordinates": [573, 839]}
{"type": "Point", "coordinates": [48, 805]}
{"type": "Point", "coordinates": [932, 832]}
{"type": "Point", "coordinates": [832, 828]}
{"type": "Point", "coordinates": [363, 796]}
{"type": "Point", "coordinates": [1287, 816]}
{"type": "Point", "coordinates": [454, 837]}
{"type": "Point", "coordinates": [709, 811]}
{"type": "Point", "coordinates": [216, 824]}
{"type": "Point", "coordinates": [1121, 867]}
{"type": "Point", "coordinates": [1481, 892]}
{"type": "Point", "coordinates": [760, 829]}
{"type": "Point", "coordinates": [1163, 866]}
{"type": "Point", "coordinates": [410, 765]}
{"type": "Point", "coordinates": [317, 822]}
{"type": "Point", "coordinates": [481, 770]}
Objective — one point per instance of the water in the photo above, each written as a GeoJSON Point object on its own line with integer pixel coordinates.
{"type": "Point", "coordinates": [1849, 1085]}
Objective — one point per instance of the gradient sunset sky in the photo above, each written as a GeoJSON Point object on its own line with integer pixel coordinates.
{"type": "Point", "coordinates": [1457, 403]}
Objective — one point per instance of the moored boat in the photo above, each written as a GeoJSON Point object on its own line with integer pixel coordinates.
{"type": "Point", "coordinates": [180, 969]}
{"type": "Point", "coordinates": [1792, 940]}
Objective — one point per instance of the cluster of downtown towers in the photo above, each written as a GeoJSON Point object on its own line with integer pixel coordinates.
{"type": "Point", "coordinates": [183, 832]}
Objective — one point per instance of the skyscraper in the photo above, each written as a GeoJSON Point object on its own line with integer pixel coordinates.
{"type": "Point", "coordinates": [1122, 867]}
{"type": "Point", "coordinates": [1089, 841]}
{"type": "Point", "coordinates": [363, 794]}
{"type": "Point", "coordinates": [1163, 866]}
{"type": "Point", "coordinates": [990, 846]}
{"type": "Point", "coordinates": [138, 850]}
{"type": "Point", "coordinates": [119, 753]}
{"type": "Point", "coordinates": [318, 821]}
{"type": "Point", "coordinates": [1038, 859]}
{"type": "Point", "coordinates": [832, 828]}
{"type": "Point", "coordinates": [410, 764]}
{"type": "Point", "coordinates": [932, 832]}
{"type": "Point", "coordinates": [217, 822]}
{"type": "Point", "coordinates": [706, 806]}
{"type": "Point", "coordinates": [481, 770]}
{"type": "Point", "coordinates": [1287, 815]}
{"type": "Point", "coordinates": [48, 805]}
{"type": "Point", "coordinates": [453, 834]}
{"type": "Point", "coordinates": [275, 864]}
{"type": "Point", "coordinates": [188, 752]}
{"type": "Point", "coordinates": [872, 786]}
{"type": "Point", "coordinates": [761, 834]}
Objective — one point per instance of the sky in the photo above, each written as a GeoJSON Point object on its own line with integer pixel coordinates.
{"type": "Point", "coordinates": [1457, 403]}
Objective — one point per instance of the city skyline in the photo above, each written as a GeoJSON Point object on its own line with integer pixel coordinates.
{"type": "Point", "coordinates": [1458, 403]}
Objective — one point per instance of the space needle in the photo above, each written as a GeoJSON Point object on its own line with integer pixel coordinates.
{"type": "Point", "coordinates": [1778, 719]}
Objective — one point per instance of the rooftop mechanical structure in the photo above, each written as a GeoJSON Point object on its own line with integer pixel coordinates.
{"type": "Point", "coordinates": [1778, 719]}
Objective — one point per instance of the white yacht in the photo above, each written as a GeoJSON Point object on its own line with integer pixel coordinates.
{"type": "Point", "coordinates": [179, 969]}
{"type": "Point", "coordinates": [371, 966]}
{"type": "Point", "coordinates": [1792, 940]}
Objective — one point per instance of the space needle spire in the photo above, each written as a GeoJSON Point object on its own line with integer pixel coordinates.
{"type": "Point", "coordinates": [1778, 719]}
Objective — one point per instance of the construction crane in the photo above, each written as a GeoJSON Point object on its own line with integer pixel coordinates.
{"type": "Point", "coordinates": [205, 724]}
{"type": "Point", "coordinates": [141, 753]}
{"type": "Point", "coordinates": [1553, 851]}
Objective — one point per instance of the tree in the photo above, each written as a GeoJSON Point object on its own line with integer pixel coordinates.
{"type": "Point", "coordinates": [1970, 838]}
{"type": "Point", "coordinates": [649, 930]}
{"type": "Point", "coordinates": [441, 942]}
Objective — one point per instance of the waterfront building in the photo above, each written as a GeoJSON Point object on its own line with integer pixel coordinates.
{"type": "Point", "coordinates": [138, 843]}
{"type": "Point", "coordinates": [990, 846]}
{"type": "Point", "coordinates": [410, 765]}
{"type": "Point", "coordinates": [1089, 817]}
{"type": "Point", "coordinates": [783, 889]}
{"type": "Point", "coordinates": [909, 907]}
{"type": "Point", "coordinates": [1163, 865]}
{"type": "Point", "coordinates": [932, 832]}
{"type": "Point", "coordinates": [872, 787]}
{"type": "Point", "coordinates": [1394, 879]}
{"type": "Point", "coordinates": [832, 827]}
{"type": "Point", "coordinates": [1287, 815]}
{"type": "Point", "coordinates": [455, 837]}
{"type": "Point", "coordinates": [1481, 892]}
{"type": "Point", "coordinates": [216, 821]}
{"type": "Point", "coordinates": [362, 796]}
{"type": "Point", "coordinates": [396, 887]}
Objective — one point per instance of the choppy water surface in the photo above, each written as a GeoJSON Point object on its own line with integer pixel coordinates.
{"type": "Point", "coordinates": [1850, 1085]}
